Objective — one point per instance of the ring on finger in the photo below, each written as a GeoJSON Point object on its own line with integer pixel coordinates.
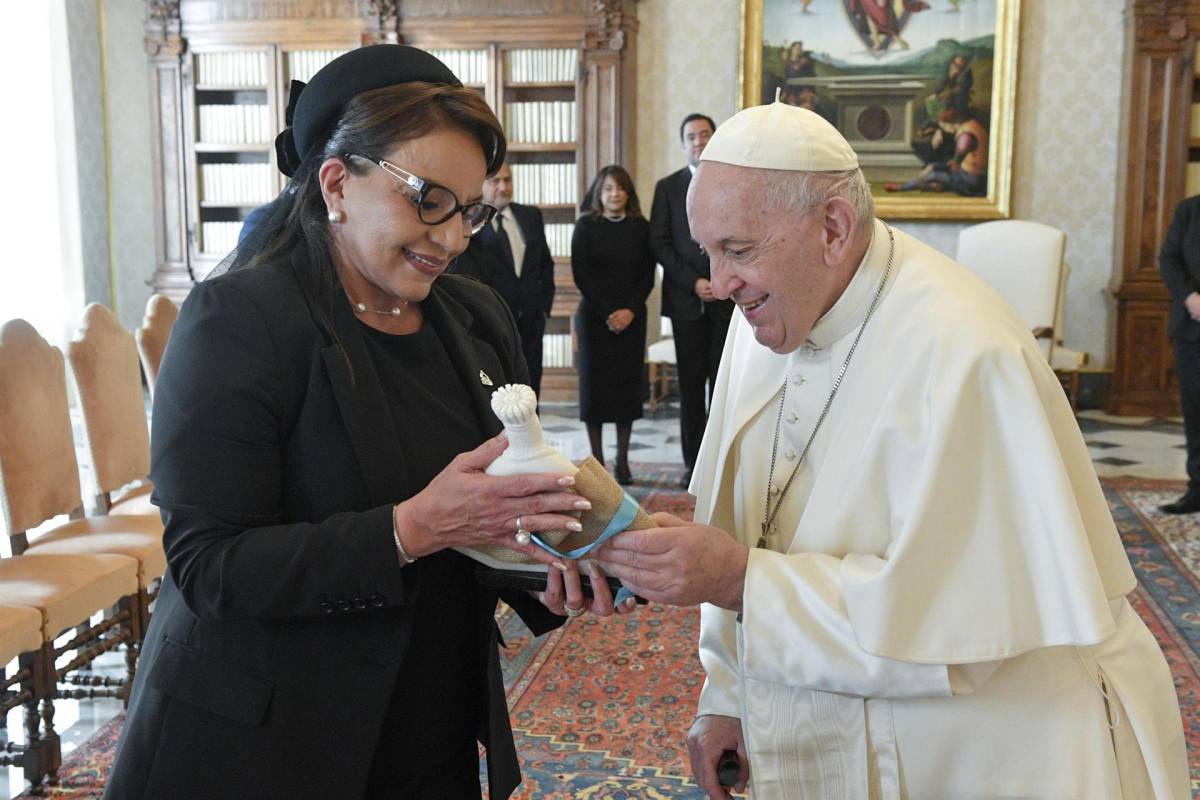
{"type": "Point", "coordinates": [572, 612]}
{"type": "Point", "coordinates": [523, 536]}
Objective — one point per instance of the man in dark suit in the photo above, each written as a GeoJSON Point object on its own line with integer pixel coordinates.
{"type": "Point", "coordinates": [698, 319]}
{"type": "Point", "coordinates": [1179, 263]}
{"type": "Point", "coordinates": [511, 256]}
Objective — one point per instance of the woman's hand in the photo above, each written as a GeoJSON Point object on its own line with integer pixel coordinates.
{"type": "Point", "coordinates": [564, 593]}
{"type": "Point", "coordinates": [463, 506]}
{"type": "Point", "coordinates": [619, 320]}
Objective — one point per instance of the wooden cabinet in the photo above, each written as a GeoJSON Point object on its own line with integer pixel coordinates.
{"type": "Point", "coordinates": [558, 73]}
{"type": "Point", "coordinates": [1159, 150]}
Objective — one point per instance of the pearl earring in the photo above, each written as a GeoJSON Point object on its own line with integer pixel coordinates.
{"type": "Point", "coordinates": [335, 217]}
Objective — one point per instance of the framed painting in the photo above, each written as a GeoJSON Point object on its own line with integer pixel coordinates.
{"type": "Point", "coordinates": [922, 89]}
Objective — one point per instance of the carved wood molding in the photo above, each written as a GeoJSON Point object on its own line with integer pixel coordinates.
{"type": "Point", "coordinates": [415, 9]}
{"type": "Point", "coordinates": [202, 11]}
{"type": "Point", "coordinates": [1165, 24]}
{"type": "Point", "coordinates": [610, 24]}
{"type": "Point", "coordinates": [163, 38]}
{"type": "Point", "coordinates": [382, 23]}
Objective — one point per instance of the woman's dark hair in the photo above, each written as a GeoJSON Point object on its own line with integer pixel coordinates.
{"type": "Point", "coordinates": [592, 205]}
{"type": "Point", "coordinates": [372, 123]}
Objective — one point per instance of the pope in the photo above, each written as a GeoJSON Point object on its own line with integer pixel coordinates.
{"type": "Point", "coordinates": [911, 584]}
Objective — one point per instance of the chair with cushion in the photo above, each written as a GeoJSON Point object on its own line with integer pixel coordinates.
{"type": "Point", "coordinates": [152, 336]}
{"type": "Point", "coordinates": [107, 561]}
{"type": "Point", "coordinates": [33, 682]}
{"type": "Point", "coordinates": [1023, 262]}
{"type": "Point", "coordinates": [108, 379]}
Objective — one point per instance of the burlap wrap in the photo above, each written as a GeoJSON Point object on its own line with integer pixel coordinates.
{"type": "Point", "coordinates": [593, 482]}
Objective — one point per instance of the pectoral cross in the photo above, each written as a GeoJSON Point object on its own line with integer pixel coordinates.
{"type": "Point", "coordinates": [768, 529]}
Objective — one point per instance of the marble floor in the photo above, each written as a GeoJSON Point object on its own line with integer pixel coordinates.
{"type": "Point", "coordinates": [1141, 447]}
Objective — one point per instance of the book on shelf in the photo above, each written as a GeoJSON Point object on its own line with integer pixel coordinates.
{"type": "Point", "coordinates": [232, 70]}
{"type": "Point", "coordinates": [471, 66]}
{"type": "Point", "coordinates": [540, 121]}
{"type": "Point", "coordinates": [556, 350]}
{"type": "Point", "coordinates": [556, 65]}
{"type": "Point", "coordinates": [558, 239]}
{"type": "Point", "coordinates": [235, 184]}
{"type": "Point", "coordinates": [543, 184]}
{"type": "Point", "coordinates": [234, 124]}
{"type": "Point", "coordinates": [1192, 179]}
{"type": "Point", "coordinates": [218, 238]}
{"type": "Point", "coordinates": [303, 64]}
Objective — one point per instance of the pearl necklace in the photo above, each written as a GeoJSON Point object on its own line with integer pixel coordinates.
{"type": "Point", "coordinates": [395, 311]}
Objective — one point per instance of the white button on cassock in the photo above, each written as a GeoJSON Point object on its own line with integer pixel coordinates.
{"type": "Point", "coordinates": [790, 455]}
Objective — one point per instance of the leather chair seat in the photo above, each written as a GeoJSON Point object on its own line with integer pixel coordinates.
{"type": "Point", "coordinates": [136, 537]}
{"type": "Point", "coordinates": [20, 631]}
{"type": "Point", "coordinates": [66, 589]}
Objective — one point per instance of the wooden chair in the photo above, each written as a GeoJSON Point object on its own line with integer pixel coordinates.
{"type": "Point", "coordinates": [152, 336]}
{"type": "Point", "coordinates": [106, 561]}
{"type": "Point", "coordinates": [108, 378]}
{"type": "Point", "coordinates": [660, 363]}
{"type": "Point", "coordinates": [21, 640]}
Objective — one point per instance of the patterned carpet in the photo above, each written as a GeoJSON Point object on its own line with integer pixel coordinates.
{"type": "Point", "coordinates": [600, 707]}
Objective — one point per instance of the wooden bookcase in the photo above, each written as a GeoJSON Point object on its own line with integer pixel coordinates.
{"type": "Point", "coordinates": [1158, 152]}
{"type": "Point", "coordinates": [219, 77]}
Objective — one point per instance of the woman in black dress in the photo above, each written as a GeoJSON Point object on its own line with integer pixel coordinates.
{"type": "Point", "coordinates": [614, 270]}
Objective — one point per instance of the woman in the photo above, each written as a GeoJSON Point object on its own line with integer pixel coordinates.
{"type": "Point", "coordinates": [614, 270]}
{"type": "Point", "coordinates": [315, 635]}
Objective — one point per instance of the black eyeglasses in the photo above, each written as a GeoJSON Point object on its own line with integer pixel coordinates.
{"type": "Point", "coordinates": [435, 203]}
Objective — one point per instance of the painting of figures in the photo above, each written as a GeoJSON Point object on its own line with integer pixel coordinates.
{"type": "Point", "coordinates": [922, 89]}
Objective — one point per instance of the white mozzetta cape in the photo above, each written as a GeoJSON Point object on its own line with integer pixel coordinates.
{"type": "Point", "coordinates": [948, 619]}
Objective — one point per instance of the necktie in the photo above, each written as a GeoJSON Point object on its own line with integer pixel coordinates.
{"type": "Point", "coordinates": [505, 244]}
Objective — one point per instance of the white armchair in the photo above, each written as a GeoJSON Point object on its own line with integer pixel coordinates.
{"type": "Point", "coordinates": [1023, 261]}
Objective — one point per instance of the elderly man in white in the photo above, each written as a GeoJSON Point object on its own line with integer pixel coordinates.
{"type": "Point", "coordinates": [912, 584]}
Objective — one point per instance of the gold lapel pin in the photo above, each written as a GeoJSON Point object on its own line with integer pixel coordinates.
{"type": "Point", "coordinates": [484, 379]}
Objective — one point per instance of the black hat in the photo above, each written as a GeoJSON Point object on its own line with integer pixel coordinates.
{"type": "Point", "coordinates": [313, 108]}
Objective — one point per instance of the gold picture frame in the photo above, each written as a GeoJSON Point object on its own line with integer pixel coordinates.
{"type": "Point", "coordinates": [887, 100]}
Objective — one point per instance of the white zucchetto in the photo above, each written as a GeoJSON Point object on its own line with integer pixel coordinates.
{"type": "Point", "coordinates": [779, 136]}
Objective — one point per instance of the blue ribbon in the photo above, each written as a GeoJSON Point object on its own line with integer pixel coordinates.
{"type": "Point", "coordinates": [625, 515]}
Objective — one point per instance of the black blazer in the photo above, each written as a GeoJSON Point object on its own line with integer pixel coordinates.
{"type": "Point", "coordinates": [1179, 263]}
{"type": "Point", "coordinates": [682, 260]}
{"type": "Point", "coordinates": [283, 620]}
{"type": "Point", "coordinates": [530, 295]}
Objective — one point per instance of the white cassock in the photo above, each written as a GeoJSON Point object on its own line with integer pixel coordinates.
{"type": "Point", "coordinates": [942, 614]}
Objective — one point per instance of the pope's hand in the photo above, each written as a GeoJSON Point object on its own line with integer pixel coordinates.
{"type": "Point", "coordinates": [680, 563]}
{"type": "Point", "coordinates": [710, 736]}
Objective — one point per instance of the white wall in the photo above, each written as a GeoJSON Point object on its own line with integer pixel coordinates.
{"type": "Point", "coordinates": [104, 150]}
{"type": "Point", "coordinates": [132, 176]}
{"type": "Point", "coordinates": [1067, 128]}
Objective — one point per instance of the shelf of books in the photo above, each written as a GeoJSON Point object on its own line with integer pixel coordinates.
{"type": "Point", "coordinates": [232, 127]}
{"type": "Point", "coordinates": [538, 106]}
{"type": "Point", "coordinates": [238, 99]}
